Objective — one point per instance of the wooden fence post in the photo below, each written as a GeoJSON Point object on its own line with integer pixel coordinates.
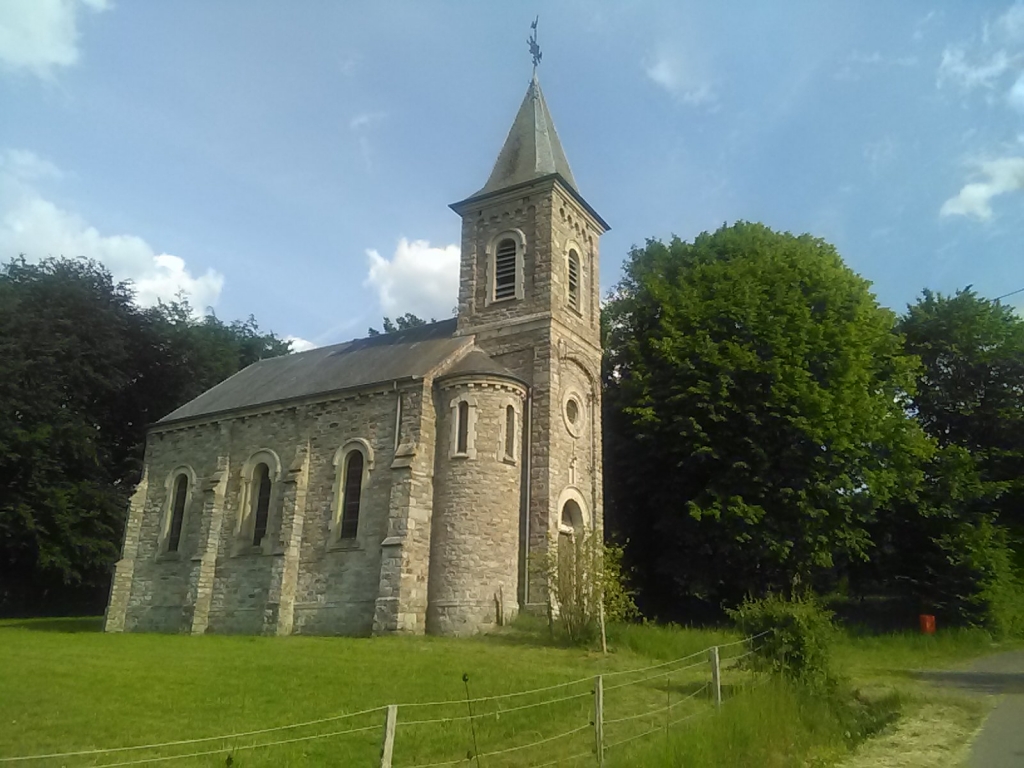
{"type": "Point", "coordinates": [599, 720]}
{"type": "Point", "coordinates": [388, 748]}
{"type": "Point", "coordinates": [716, 677]}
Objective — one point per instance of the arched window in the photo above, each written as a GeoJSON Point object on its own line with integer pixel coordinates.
{"type": "Point", "coordinates": [572, 517]}
{"type": "Point", "coordinates": [351, 495]}
{"type": "Point", "coordinates": [177, 512]}
{"type": "Point", "coordinates": [261, 484]}
{"type": "Point", "coordinates": [510, 432]}
{"type": "Point", "coordinates": [462, 442]}
{"type": "Point", "coordinates": [574, 281]}
{"type": "Point", "coordinates": [505, 269]}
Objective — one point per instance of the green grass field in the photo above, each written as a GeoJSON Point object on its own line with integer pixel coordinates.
{"type": "Point", "coordinates": [66, 687]}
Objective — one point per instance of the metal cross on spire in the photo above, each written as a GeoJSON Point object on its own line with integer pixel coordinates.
{"type": "Point", "coordinates": [534, 47]}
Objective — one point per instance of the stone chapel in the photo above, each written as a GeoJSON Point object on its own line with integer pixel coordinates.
{"type": "Point", "coordinates": [402, 483]}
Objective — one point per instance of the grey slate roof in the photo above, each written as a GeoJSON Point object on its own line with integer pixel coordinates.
{"type": "Point", "coordinates": [402, 355]}
{"type": "Point", "coordinates": [479, 362]}
{"type": "Point", "coordinates": [532, 149]}
{"type": "Point", "coordinates": [531, 152]}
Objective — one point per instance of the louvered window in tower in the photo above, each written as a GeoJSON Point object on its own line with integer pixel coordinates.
{"type": "Point", "coordinates": [574, 281]}
{"type": "Point", "coordinates": [505, 270]}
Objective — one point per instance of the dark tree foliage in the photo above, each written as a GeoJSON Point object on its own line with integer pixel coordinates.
{"type": "Point", "coordinates": [949, 551]}
{"type": "Point", "coordinates": [755, 404]}
{"type": "Point", "coordinates": [970, 389]}
{"type": "Point", "coordinates": [83, 371]}
{"type": "Point", "coordinates": [402, 323]}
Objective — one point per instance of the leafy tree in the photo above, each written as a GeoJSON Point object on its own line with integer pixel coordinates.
{"type": "Point", "coordinates": [402, 323]}
{"type": "Point", "coordinates": [83, 372]}
{"type": "Point", "coordinates": [970, 388]}
{"type": "Point", "coordinates": [68, 336]}
{"type": "Point", "coordinates": [756, 401]}
{"type": "Point", "coordinates": [193, 354]}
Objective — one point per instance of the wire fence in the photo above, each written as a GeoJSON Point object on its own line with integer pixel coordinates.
{"type": "Point", "coordinates": [570, 723]}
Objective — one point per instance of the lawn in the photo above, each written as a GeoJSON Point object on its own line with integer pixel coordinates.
{"type": "Point", "coordinates": [69, 688]}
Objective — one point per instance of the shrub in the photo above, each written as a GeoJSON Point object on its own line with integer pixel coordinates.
{"type": "Point", "coordinates": [796, 640]}
{"type": "Point", "coordinates": [578, 577]}
{"type": "Point", "coordinates": [980, 586]}
{"type": "Point", "coordinates": [618, 597]}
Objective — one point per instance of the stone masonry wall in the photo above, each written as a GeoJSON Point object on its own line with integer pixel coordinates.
{"type": "Point", "coordinates": [329, 585]}
{"type": "Point", "coordinates": [552, 346]}
{"type": "Point", "coordinates": [475, 542]}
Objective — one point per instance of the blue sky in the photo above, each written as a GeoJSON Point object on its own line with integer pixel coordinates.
{"type": "Point", "coordinates": [295, 161]}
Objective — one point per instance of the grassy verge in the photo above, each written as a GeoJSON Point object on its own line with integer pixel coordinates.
{"type": "Point", "coordinates": [776, 725]}
{"type": "Point", "coordinates": [937, 723]}
{"type": "Point", "coordinates": [896, 656]}
{"type": "Point", "coordinates": [68, 687]}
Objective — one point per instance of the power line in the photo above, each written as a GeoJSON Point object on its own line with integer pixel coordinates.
{"type": "Point", "coordinates": [1011, 293]}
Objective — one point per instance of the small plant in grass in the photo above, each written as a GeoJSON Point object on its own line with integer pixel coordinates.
{"type": "Point", "coordinates": [581, 572]}
{"type": "Point", "coordinates": [796, 638]}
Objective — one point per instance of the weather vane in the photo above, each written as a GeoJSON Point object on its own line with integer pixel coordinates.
{"type": "Point", "coordinates": [534, 47]}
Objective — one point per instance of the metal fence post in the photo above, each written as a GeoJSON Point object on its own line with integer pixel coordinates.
{"type": "Point", "coordinates": [388, 747]}
{"type": "Point", "coordinates": [716, 677]}
{"type": "Point", "coordinates": [599, 719]}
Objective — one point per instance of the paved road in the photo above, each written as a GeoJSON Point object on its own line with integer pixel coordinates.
{"type": "Point", "coordinates": [1001, 741]}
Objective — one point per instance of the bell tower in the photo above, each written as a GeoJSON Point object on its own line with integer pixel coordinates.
{"type": "Point", "coordinates": [529, 293]}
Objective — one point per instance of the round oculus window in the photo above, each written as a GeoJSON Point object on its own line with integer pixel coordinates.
{"type": "Point", "coordinates": [572, 410]}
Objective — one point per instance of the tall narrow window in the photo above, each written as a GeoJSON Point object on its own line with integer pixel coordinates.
{"type": "Point", "coordinates": [261, 503]}
{"type": "Point", "coordinates": [574, 280]}
{"type": "Point", "coordinates": [462, 441]}
{"type": "Point", "coordinates": [505, 270]}
{"type": "Point", "coordinates": [510, 432]}
{"type": "Point", "coordinates": [177, 513]}
{"type": "Point", "coordinates": [353, 492]}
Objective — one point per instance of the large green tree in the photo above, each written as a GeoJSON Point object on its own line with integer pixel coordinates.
{"type": "Point", "coordinates": [970, 387]}
{"type": "Point", "coordinates": [83, 372]}
{"type": "Point", "coordinates": [755, 401]}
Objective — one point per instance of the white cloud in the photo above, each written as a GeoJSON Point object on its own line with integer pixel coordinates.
{"type": "Point", "coordinates": [300, 344]}
{"type": "Point", "coordinates": [956, 70]}
{"type": "Point", "coordinates": [859, 62]}
{"type": "Point", "coordinates": [926, 21]}
{"type": "Point", "coordinates": [1011, 23]}
{"type": "Point", "coordinates": [1015, 96]}
{"type": "Point", "coordinates": [669, 71]}
{"type": "Point", "coordinates": [364, 120]}
{"type": "Point", "coordinates": [360, 125]}
{"type": "Point", "coordinates": [41, 35]}
{"type": "Point", "coordinates": [418, 278]}
{"type": "Point", "coordinates": [37, 227]}
{"type": "Point", "coordinates": [879, 154]}
{"type": "Point", "coordinates": [974, 199]}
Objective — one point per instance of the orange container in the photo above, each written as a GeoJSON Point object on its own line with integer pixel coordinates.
{"type": "Point", "coordinates": [927, 623]}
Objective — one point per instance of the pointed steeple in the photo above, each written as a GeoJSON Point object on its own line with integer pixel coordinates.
{"type": "Point", "coordinates": [532, 149]}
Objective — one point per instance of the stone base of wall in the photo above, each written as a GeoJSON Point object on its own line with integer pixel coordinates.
{"type": "Point", "coordinates": [354, 619]}
{"type": "Point", "coordinates": [160, 618]}
{"type": "Point", "coordinates": [462, 618]}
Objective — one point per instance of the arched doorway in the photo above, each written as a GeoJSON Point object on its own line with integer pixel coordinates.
{"type": "Point", "coordinates": [570, 540]}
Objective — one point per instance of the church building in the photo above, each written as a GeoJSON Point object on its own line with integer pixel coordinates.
{"type": "Point", "coordinates": [409, 482]}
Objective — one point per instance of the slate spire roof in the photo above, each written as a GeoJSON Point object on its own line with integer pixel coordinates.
{"type": "Point", "coordinates": [532, 149]}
